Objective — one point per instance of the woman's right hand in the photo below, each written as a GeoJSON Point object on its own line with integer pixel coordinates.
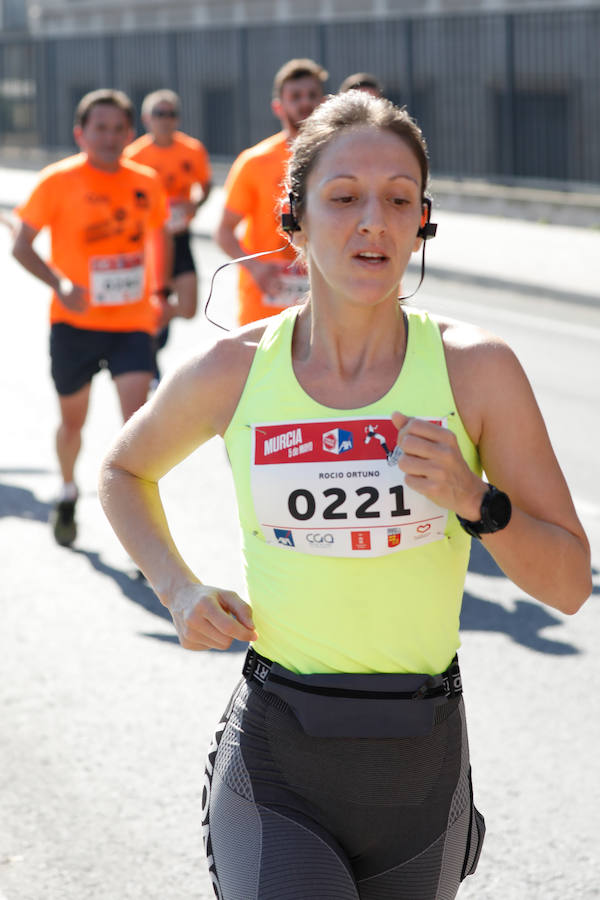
{"type": "Point", "coordinates": [208, 617]}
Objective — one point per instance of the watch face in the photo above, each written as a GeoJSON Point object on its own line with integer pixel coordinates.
{"type": "Point", "coordinates": [498, 510]}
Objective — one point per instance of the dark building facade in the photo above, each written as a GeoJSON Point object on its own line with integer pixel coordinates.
{"type": "Point", "coordinates": [511, 93]}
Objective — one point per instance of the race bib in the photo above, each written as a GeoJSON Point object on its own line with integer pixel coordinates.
{"type": "Point", "coordinates": [333, 488]}
{"type": "Point", "coordinates": [293, 287]}
{"type": "Point", "coordinates": [178, 218]}
{"type": "Point", "coordinates": [117, 280]}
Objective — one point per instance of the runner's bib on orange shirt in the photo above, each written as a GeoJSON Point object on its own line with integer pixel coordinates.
{"type": "Point", "coordinates": [182, 164]}
{"type": "Point", "coordinates": [333, 488]}
{"type": "Point", "coordinates": [253, 190]}
{"type": "Point", "coordinates": [116, 280]}
{"type": "Point", "coordinates": [99, 225]}
{"type": "Point", "coordinates": [179, 217]}
{"type": "Point", "coordinates": [293, 287]}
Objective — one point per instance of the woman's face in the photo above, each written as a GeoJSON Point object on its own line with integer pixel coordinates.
{"type": "Point", "coordinates": [362, 213]}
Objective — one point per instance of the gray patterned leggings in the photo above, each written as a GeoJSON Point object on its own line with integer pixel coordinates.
{"type": "Point", "coordinates": [291, 816]}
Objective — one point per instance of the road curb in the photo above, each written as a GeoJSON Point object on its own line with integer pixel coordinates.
{"type": "Point", "coordinates": [577, 206]}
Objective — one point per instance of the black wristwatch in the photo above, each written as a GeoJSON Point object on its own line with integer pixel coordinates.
{"type": "Point", "coordinates": [495, 514]}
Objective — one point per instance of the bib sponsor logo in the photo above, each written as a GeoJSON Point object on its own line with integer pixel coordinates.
{"type": "Point", "coordinates": [394, 536]}
{"type": "Point", "coordinates": [315, 537]}
{"type": "Point", "coordinates": [284, 536]}
{"type": "Point", "coordinates": [337, 441]}
{"type": "Point", "coordinates": [424, 527]}
{"type": "Point", "coordinates": [372, 433]}
{"type": "Point", "coordinates": [286, 440]}
{"type": "Point", "coordinates": [361, 540]}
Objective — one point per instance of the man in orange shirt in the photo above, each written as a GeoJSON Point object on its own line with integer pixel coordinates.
{"type": "Point", "coordinates": [100, 210]}
{"type": "Point", "coordinates": [184, 169]}
{"type": "Point", "coordinates": [253, 191]}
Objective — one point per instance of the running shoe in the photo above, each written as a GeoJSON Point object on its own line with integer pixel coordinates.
{"type": "Point", "coordinates": [63, 523]}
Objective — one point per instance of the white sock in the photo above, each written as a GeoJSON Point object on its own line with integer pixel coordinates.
{"type": "Point", "coordinates": [68, 492]}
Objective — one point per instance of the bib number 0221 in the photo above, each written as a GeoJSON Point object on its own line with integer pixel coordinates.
{"type": "Point", "coordinates": [302, 504]}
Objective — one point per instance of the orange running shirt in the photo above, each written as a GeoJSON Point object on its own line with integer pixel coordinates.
{"type": "Point", "coordinates": [253, 190]}
{"type": "Point", "coordinates": [182, 164]}
{"type": "Point", "coordinates": [99, 223]}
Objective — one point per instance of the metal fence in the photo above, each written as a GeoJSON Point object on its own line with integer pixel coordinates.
{"type": "Point", "coordinates": [497, 95]}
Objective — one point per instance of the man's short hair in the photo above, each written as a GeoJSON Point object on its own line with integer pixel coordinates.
{"type": "Point", "coordinates": [164, 95]}
{"type": "Point", "coordinates": [103, 97]}
{"type": "Point", "coordinates": [298, 68]}
{"type": "Point", "coordinates": [360, 80]}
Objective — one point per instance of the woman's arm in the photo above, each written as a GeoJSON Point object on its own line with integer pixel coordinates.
{"type": "Point", "coordinates": [189, 407]}
{"type": "Point", "coordinates": [544, 549]}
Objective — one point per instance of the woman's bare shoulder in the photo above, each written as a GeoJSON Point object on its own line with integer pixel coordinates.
{"type": "Point", "coordinates": [468, 345]}
{"type": "Point", "coordinates": [231, 354]}
{"type": "Point", "coordinates": [209, 385]}
{"type": "Point", "coordinates": [460, 335]}
{"type": "Point", "coordinates": [478, 362]}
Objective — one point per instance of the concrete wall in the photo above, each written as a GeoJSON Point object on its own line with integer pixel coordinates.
{"type": "Point", "coordinates": [497, 95]}
{"type": "Point", "coordinates": [52, 17]}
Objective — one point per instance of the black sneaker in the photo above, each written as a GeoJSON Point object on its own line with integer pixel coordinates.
{"type": "Point", "coordinates": [63, 523]}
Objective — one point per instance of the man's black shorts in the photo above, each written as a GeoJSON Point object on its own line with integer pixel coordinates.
{"type": "Point", "coordinates": [77, 354]}
{"type": "Point", "coordinates": [183, 261]}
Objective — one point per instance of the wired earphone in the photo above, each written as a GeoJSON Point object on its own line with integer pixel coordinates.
{"type": "Point", "coordinates": [290, 224]}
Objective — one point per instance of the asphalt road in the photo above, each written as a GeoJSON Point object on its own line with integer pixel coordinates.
{"type": "Point", "coordinates": [106, 720]}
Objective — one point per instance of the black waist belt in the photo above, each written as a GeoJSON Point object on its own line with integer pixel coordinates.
{"type": "Point", "coordinates": [259, 669]}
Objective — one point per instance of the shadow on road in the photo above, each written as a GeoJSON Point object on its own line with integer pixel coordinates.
{"type": "Point", "coordinates": [132, 585]}
{"type": "Point", "coordinates": [21, 503]}
{"type": "Point", "coordinates": [135, 587]}
{"type": "Point", "coordinates": [523, 623]}
{"type": "Point", "coordinates": [18, 470]}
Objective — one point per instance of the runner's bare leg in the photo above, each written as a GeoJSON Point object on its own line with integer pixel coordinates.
{"type": "Point", "coordinates": [132, 388]}
{"type": "Point", "coordinates": [186, 288]}
{"type": "Point", "coordinates": [73, 412]}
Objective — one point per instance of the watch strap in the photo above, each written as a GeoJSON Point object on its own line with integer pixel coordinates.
{"type": "Point", "coordinates": [485, 524]}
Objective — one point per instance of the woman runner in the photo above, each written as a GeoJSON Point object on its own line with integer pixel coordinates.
{"type": "Point", "coordinates": [358, 430]}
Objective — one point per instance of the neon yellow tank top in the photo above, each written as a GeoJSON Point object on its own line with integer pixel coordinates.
{"type": "Point", "coordinates": [347, 569]}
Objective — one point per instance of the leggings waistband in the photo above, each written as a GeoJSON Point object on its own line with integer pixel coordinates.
{"type": "Point", "coordinates": [380, 686]}
{"type": "Point", "coordinates": [357, 704]}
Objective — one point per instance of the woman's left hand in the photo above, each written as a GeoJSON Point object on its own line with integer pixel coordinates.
{"type": "Point", "coordinates": [435, 467]}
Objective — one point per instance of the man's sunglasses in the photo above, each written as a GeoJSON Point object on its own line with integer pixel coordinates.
{"type": "Point", "coordinates": [164, 114]}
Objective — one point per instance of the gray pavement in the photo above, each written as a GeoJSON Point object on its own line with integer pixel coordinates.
{"type": "Point", "coordinates": [106, 720]}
